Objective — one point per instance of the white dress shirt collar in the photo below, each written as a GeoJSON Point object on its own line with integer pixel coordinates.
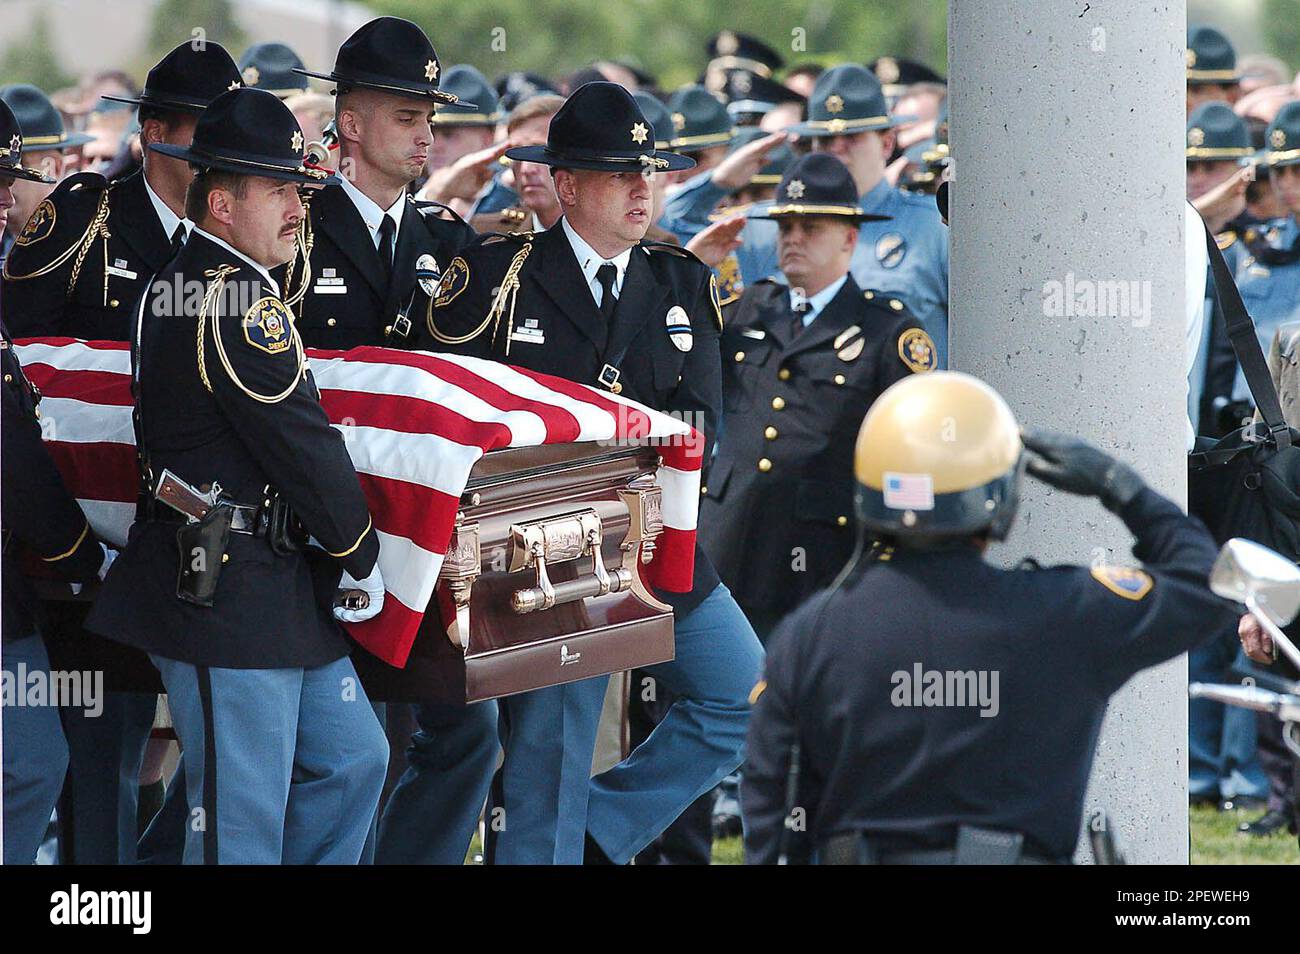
{"type": "Point", "coordinates": [271, 283]}
{"type": "Point", "coordinates": [590, 261]}
{"type": "Point", "coordinates": [818, 301]}
{"type": "Point", "coordinates": [370, 211]}
{"type": "Point", "coordinates": [166, 216]}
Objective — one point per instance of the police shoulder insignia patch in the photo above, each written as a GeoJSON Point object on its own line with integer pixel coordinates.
{"type": "Point", "coordinates": [1125, 581]}
{"type": "Point", "coordinates": [891, 249]}
{"type": "Point", "coordinates": [40, 225]}
{"type": "Point", "coordinates": [1225, 239]}
{"type": "Point", "coordinates": [916, 350]}
{"type": "Point", "coordinates": [267, 326]}
{"type": "Point", "coordinates": [454, 281]}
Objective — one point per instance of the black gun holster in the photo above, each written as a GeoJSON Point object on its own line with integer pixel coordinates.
{"type": "Point", "coordinates": [202, 551]}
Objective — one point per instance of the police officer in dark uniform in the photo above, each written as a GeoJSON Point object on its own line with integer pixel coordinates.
{"type": "Point", "coordinates": [590, 301]}
{"type": "Point", "coordinates": [1212, 74]}
{"type": "Point", "coordinates": [78, 268]}
{"type": "Point", "coordinates": [87, 253]}
{"type": "Point", "coordinates": [802, 363]}
{"type": "Point", "coordinates": [933, 708]}
{"type": "Point", "coordinates": [367, 242]}
{"type": "Point", "coordinates": [231, 606]}
{"type": "Point", "coordinates": [42, 520]}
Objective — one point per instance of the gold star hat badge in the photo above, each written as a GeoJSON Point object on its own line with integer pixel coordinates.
{"type": "Point", "coordinates": [251, 75]}
{"type": "Point", "coordinates": [795, 189]}
{"type": "Point", "coordinates": [1195, 136]}
{"type": "Point", "coordinates": [1277, 138]}
{"type": "Point", "coordinates": [15, 144]}
{"type": "Point", "coordinates": [834, 103]}
{"type": "Point", "coordinates": [295, 143]}
{"type": "Point", "coordinates": [431, 70]}
{"type": "Point", "coordinates": [639, 133]}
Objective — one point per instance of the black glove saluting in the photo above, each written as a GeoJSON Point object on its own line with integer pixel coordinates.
{"type": "Point", "coordinates": [1075, 466]}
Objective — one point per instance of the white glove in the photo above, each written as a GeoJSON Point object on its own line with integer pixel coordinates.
{"type": "Point", "coordinates": [109, 557]}
{"type": "Point", "coordinates": [372, 586]}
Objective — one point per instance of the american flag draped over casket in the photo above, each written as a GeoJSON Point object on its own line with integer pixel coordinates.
{"type": "Point", "coordinates": [414, 423]}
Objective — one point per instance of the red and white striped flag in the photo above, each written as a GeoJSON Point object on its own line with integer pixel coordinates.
{"type": "Point", "coordinates": [415, 424]}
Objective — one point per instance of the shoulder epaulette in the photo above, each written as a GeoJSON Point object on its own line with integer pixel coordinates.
{"type": "Point", "coordinates": [63, 227]}
{"type": "Point", "coordinates": [1225, 239]}
{"type": "Point", "coordinates": [678, 250]}
{"type": "Point", "coordinates": [436, 209]}
{"type": "Point", "coordinates": [491, 238]}
{"type": "Point", "coordinates": [883, 301]}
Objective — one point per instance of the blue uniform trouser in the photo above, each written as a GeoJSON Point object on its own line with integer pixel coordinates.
{"type": "Point", "coordinates": [106, 753]}
{"type": "Point", "coordinates": [433, 810]}
{"type": "Point", "coordinates": [163, 842]}
{"type": "Point", "coordinates": [1222, 761]}
{"type": "Point", "coordinates": [538, 812]}
{"type": "Point", "coordinates": [702, 739]}
{"type": "Point", "coordinates": [548, 801]}
{"type": "Point", "coordinates": [35, 757]}
{"type": "Point", "coordinates": [283, 766]}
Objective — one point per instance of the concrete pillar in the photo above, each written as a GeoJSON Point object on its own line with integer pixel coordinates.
{"type": "Point", "coordinates": [1066, 292]}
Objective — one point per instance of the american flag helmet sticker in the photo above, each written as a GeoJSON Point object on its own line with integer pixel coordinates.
{"type": "Point", "coordinates": [909, 491]}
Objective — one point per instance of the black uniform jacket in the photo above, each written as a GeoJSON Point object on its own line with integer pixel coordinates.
{"type": "Point", "coordinates": [201, 420]}
{"type": "Point", "coordinates": [558, 329]}
{"type": "Point", "coordinates": [83, 260]}
{"type": "Point", "coordinates": [854, 677]}
{"type": "Point", "coordinates": [348, 301]}
{"type": "Point", "coordinates": [777, 515]}
{"type": "Point", "coordinates": [42, 521]}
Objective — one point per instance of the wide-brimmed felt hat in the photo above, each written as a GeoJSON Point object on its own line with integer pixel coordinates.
{"type": "Point", "coordinates": [1210, 57]}
{"type": "Point", "coordinates": [249, 131]}
{"type": "Point", "coordinates": [847, 99]}
{"type": "Point", "coordinates": [478, 104]}
{"type": "Point", "coordinates": [40, 121]}
{"type": "Point", "coordinates": [187, 79]}
{"type": "Point", "coordinates": [391, 55]}
{"type": "Point", "coordinates": [1282, 138]}
{"type": "Point", "coordinates": [816, 184]}
{"type": "Point", "coordinates": [601, 127]}
{"type": "Point", "coordinates": [11, 149]}
{"type": "Point", "coordinates": [1215, 132]}
{"type": "Point", "coordinates": [700, 119]}
{"type": "Point", "coordinates": [271, 66]}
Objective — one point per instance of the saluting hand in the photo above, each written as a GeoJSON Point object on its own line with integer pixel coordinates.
{"type": "Point", "coordinates": [465, 177]}
{"type": "Point", "coordinates": [1075, 466]}
{"type": "Point", "coordinates": [721, 238]}
{"type": "Point", "coordinates": [736, 171]}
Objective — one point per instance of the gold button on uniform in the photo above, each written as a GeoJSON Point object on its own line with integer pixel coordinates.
{"type": "Point", "coordinates": [770, 433]}
{"type": "Point", "coordinates": [704, 491]}
{"type": "Point", "coordinates": [764, 464]}
{"type": "Point", "coordinates": [331, 322]}
{"type": "Point", "coordinates": [895, 304]}
{"type": "Point", "coordinates": [784, 374]}
{"type": "Point", "coordinates": [740, 356]}
{"type": "Point", "coordinates": [839, 379]}
{"type": "Point", "coordinates": [9, 379]}
{"type": "Point", "coordinates": [869, 295]}
{"type": "Point", "coordinates": [114, 303]}
{"type": "Point", "coordinates": [778, 403]}
{"type": "Point", "coordinates": [842, 521]}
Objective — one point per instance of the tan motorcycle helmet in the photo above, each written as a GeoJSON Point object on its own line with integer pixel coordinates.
{"type": "Point", "coordinates": [938, 456]}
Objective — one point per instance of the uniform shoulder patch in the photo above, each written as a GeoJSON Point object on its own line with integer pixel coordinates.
{"type": "Point", "coordinates": [1126, 581]}
{"type": "Point", "coordinates": [40, 225]}
{"type": "Point", "coordinates": [454, 281]}
{"type": "Point", "coordinates": [1225, 239]}
{"type": "Point", "coordinates": [917, 350]}
{"type": "Point", "coordinates": [267, 326]}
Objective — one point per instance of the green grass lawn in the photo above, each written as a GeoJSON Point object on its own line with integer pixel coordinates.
{"type": "Point", "coordinates": [1215, 841]}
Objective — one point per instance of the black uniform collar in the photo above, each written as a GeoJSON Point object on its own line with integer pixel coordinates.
{"type": "Point", "coordinates": [137, 223]}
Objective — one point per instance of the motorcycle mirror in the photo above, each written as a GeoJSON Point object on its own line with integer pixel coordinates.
{"type": "Point", "coordinates": [1261, 578]}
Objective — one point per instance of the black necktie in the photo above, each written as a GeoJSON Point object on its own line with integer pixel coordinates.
{"type": "Point", "coordinates": [606, 275]}
{"type": "Point", "coordinates": [800, 309]}
{"type": "Point", "coordinates": [178, 239]}
{"type": "Point", "coordinates": [386, 230]}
